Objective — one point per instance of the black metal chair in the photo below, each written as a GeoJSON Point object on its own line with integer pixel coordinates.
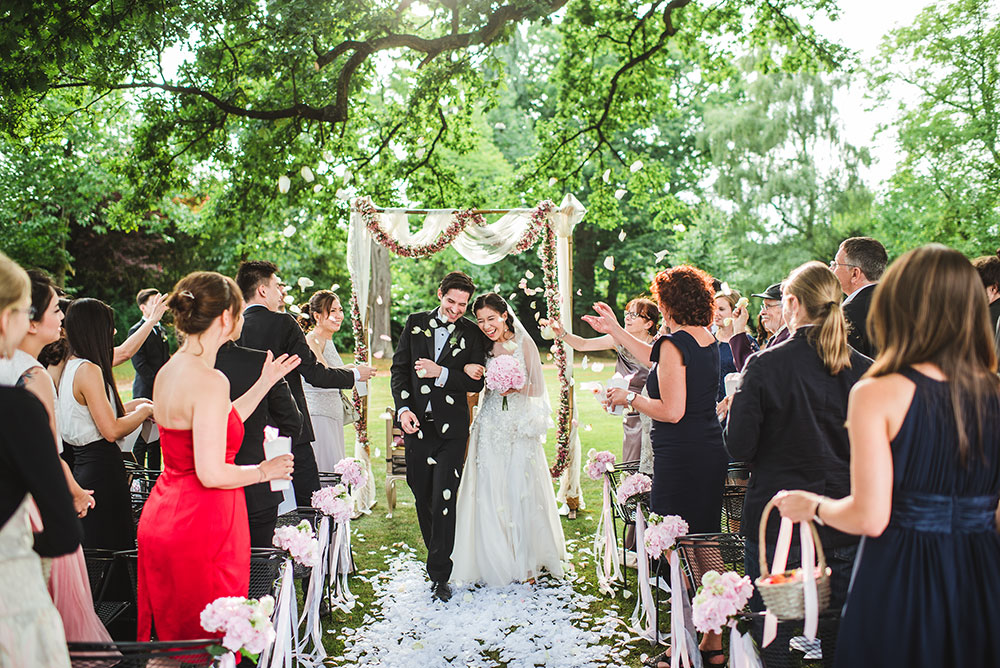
{"type": "Point", "coordinates": [328, 478]}
{"type": "Point", "coordinates": [779, 654]}
{"type": "Point", "coordinates": [293, 518]}
{"type": "Point", "coordinates": [140, 654]}
{"type": "Point", "coordinates": [140, 483]}
{"type": "Point", "coordinates": [100, 565]}
{"type": "Point", "coordinates": [265, 569]}
{"type": "Point", "coordinates": [625, 512]}
{"type": "Point", "coordinates": [732, 507]}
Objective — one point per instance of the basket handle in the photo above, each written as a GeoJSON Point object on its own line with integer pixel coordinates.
{"type": "Point", "coordinates": [762, 545]}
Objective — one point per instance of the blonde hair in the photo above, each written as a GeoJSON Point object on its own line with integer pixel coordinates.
{"type": "Point", "coordinates": [819, 293]}
{"type": "Point", "coordinates": [15, 286]}
{"type": "Point", "coordinates": [931, 307]}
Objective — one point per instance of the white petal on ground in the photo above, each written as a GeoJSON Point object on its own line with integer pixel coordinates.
{"type": "Point", "coordinates": [609, 263]}
{"type": "Point", "coordinates": [635, 166]}
{"type": "Point", "coordinates": [284, 183]}
{"type": "Point", "coordinates": [607, 176]}
{"type": "Point", "coordinates": [307, 174]}
{"type": "Point", "coordinates": [621, 192]}
{"type": "Point", "coordinates": [289, 231]}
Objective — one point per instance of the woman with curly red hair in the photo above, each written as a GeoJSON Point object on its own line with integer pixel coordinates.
{"type": "Point", "coordinates": [689, 459]}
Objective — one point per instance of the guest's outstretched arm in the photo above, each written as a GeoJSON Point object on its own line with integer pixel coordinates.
{"type": "Point", "coordinates": [606, 323]}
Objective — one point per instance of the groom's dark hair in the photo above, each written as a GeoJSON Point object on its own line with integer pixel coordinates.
{"type": "Point", "coordinates": [457, 280]}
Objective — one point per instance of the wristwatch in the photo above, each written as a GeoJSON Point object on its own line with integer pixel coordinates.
{"type": "Point", "coordinates": [628, 399]}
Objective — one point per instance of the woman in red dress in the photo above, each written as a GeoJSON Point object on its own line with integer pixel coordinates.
{"type": "Point", "coordinates": [194, 538]}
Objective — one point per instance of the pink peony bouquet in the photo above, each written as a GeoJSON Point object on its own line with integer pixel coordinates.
{"type": "Point", "coordinates": [719, 599]}
{"type": "Point", "coordinates": [503, 374]}
{"type": "Point", "coordinates": [299, 541]}
{"type": "Point", "coordinates": [662, 533]}
{"type": "Point", "coordinates": [637, 483]}
{"type": "Point", "coordinates": [598, 463]}
{"type": "Point", "coordinates": [334, 501]}
{"type": "Point", "coordinates": [351, 471]}
{"type": "Point", "coordinates": [245, 623]}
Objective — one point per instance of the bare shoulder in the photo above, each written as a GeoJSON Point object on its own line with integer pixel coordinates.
{"type": "Point", "coordinates": [882, 389]}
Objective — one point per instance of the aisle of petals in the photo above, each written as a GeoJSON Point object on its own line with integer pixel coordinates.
{"type": "Point", "coordinates": [519, 625]}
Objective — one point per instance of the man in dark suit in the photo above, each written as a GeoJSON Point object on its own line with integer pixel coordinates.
{"type": "Point", "coordinates": [858, 265]}
{"type": "Point", "coordinates": [152, 354]}
{"type": "Point", "coordinates": [429, 387]}
{"type": "Point", "coordinates": [242, 366]}
{"type": "Point", "coordinates": [267, 329]}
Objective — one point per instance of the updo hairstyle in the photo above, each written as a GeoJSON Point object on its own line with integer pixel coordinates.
{"type": "Point", "coordinates": [201, 297]}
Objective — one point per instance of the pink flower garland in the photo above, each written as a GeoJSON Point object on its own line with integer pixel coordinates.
{"type": "Point", "coordinates": [360, 357]}
{"type": "Point", "coordinates": [460, 221]}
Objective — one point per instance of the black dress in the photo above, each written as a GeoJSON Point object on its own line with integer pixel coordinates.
{"type": "Point", "coordinates": [927, 591]}
{"type": "Point", "coordinates": [689, 460]}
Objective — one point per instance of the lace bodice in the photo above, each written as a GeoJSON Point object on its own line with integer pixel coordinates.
{"type": "Point", "coordinates": [325, 401]}
{"type": "Point", "coordinates": [523, 418]}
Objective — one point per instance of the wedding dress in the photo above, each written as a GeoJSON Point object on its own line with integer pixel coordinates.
{"type": "Point", "coordinates": [507, 528]}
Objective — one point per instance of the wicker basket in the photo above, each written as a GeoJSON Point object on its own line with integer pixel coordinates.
{"type": "Point", "coordinates": [787, 600]}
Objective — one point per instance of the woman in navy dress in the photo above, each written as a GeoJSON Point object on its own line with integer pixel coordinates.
{"type": "Point", "coordinates": [924, 428]}
{"type": "Point", "coordinates": [689, 460]}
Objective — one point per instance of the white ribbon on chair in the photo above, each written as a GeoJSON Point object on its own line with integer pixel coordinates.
{"type": "Point", "coordinates": [606, 546]}
{"type": "Point", "coordinates": [679, 616]}
{"type": "Point", "coordinates": [742, 653]}
{"type": "Point", "coordinates": [810, 594]}
{"type": "Point", "coordinates": [284, 619]}
{"type": "Point", "coordinates": [227, 660]}
{"type": "Point", "coordinates": [340, 566]}
{"type": "Point", "coordinates": [310, 610]}
{"type": "Point", "coordinates": [644, 605]}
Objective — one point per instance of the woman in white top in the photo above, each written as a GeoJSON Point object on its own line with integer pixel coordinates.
{"type": "Point", "coordinates": [92, 419]}
{"type": "Point", "coordinates": [326, 406]}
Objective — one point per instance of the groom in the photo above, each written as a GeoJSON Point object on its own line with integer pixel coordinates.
{"type": "Point", "coordinates": [429, 388]}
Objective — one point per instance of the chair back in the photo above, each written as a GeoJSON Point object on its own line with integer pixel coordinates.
{"type": "Point", "coordinates": [140, 654]}
{"type": "Point", "coordinates": [703, 552]}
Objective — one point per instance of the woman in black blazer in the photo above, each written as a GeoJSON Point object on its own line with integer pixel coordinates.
{"type": "Point", "coordinates": [788, 419]}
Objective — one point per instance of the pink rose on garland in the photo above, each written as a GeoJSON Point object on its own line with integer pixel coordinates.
{"type": "Point", "coordinates": [598, 463]}
{"type": "Point", "coordinates": [335, 502]}
{"type": "Point", "coordinates": [719, 599]}
{"type": "Point", "coordinates": [299, 541]}
{"type": "Point", "coordinates": [245, 623]}
{"type": "Point", "coordinates": [637, 483]}
{"type": "Point", "coordinates": [503, 374]}
{"type": "Point", "coordinates": [662, 533]}
{"type": "Point", "coordinates": [351, 472]}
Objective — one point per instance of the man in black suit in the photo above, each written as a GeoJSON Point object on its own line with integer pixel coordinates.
{"type": "Point", "coordinates": [242, 366]}
{"type": "Point", "coordinates": [152, 354]}
{"type": "Point", "coordinates": [429, 387]}
{"type": "Point", "coordinates": [858, 265]}
{"type": "Point", "coordinates": [267, 329]}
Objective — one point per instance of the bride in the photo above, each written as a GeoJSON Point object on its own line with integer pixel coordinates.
{"type": "Point", "coordinates": [507, 528]}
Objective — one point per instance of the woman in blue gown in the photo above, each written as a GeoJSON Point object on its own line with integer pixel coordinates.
{"type": "Point", "coordinates": [924, 428]}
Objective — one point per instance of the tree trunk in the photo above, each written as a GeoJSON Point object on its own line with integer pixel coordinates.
{"type": "Point", "coordinates": [380, 288]}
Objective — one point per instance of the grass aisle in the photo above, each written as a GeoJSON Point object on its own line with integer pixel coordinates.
{"type": "Point", "coordinates": [379, 541]}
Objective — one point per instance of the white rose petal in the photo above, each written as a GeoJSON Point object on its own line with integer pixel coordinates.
{"type": "Point", "coordinates": [726, 290]}
{"type": "Point", "coordinates": [415, 330]}
{"type": "Point", "coordinates": [585, 363]}
{"type": "Point", "coordinates": [334, 287]}
{"type": "Point", "coordinates": [609, 263]}
{"type": "Point", "coordinates": [456, 473]}
{"type": "Point", "coordinates": [726, 322]}
{"type": "Point", "coordinates": [289, 299]}
{"type": "Point", "coordinates": [607, 176]}
{"type": "Point", "coordinates": [304, 283]}
{"type": "Point", "coordinates": [427, 333]}
{"type": "Point", "coordinates": [295, 309]}
{"type": "Point", "coordinates": [635, 166]}
{"type": "Point", "coordinates": [344, 193]}
{"type": "Point", "coordinates": [431, 461]}
{"type": "Point", "coordinates": [609, 466]}
{"type": "Point", "coordinates": [597, 367]}
{"type": "Point", "coordinates": [289, 231]}
{"type": "Point", "coordinates": [659, 255]}
{"type": "Point", "coordinates": [444, 427]}
{"type": "Point", "coordinates": [379, 354]}
{"type": "Point", "coordinates": [386, 415]}
{"type": "Point", "coordinates": [404, 394]}
{"type": "Point", "coordinates": [378, 300]}
{"type": "Point", "coordinates": [553, 181]}
{"type": "Point", "coordinates": [424, 389]}
{"type": "Point", "coordinates": [444, 512]}
{"type": "Point", "coordinates": [385, 337]}
{"type": "Point", "coordinates": [448, 399]}
{"type": "Point", "coordinates": [284, 183]}
{"type": "Point", "coordinates": [532, 304]}
{"type": "Point", "coordinates": [621, 192]}
{"type": "Point", "coordinates": [420, 434]}
{"type": "Point", "coordinates": [588, 427]}
{"type": "Point", "coordinates": [547, 333]}
{"type": "Point", "coordinates": [317, 188]}
{"type": "Point", "coordinates": [450, 327]}
{"type": "Point", "coordinates": [432, 323]}
{"type": "Point", "coordinates": [679, 227]}
{"type": "Point", "coordinates": [627, 594]}
{"type": "Point", "coordinates": [307, 174]}
{"type": "Point", "coordinates": [622, 235]}
{"type": "Point", "coordinates": [455, 352]}
{"type": "Point", "coordinates": [529, 274]}
{"type": "Point", "coordinates": [579, 292]}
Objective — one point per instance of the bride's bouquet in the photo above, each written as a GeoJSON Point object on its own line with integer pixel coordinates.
{"type": "Point", "coordinates": [503, 374]}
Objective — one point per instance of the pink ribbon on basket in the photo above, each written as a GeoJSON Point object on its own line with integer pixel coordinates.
{"type": "Point", "coordinates": [678, 623]}
{"type": "Point", "coordinates": [606, 546]}
{"type": "Point", "coordinates": [811, 597]}
{"type": "Point", "coordinates": [644, 607]}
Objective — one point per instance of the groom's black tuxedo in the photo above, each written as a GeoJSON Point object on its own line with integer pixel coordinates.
{"type": "Point", "coordinates": [435, 454]}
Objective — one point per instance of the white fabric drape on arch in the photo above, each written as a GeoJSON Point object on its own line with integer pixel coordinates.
{"type": "Point", "coordinates": [480, 245]}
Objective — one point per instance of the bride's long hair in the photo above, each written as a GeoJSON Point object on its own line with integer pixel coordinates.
{"type": "Point", "coordinates": [495, 302]}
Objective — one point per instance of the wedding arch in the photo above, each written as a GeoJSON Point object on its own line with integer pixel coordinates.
{"type": "Point", "coordinates": [481, 243]}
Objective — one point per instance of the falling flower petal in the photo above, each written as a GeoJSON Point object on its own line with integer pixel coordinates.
{"type": "Point", "coordinates": [427, 333]}
{"type": "Point", "coordinates": [379, 354]}
{"type": "Point", "coordinates": [305, 283]}
{"type": "Point", "coordinates": [585, 363]}
{"type": "Point", "coordinates": [415, 330]}
{"type": "Point", "coordinates": [553, 181]}
{"type": "Point", "coordinates": [597, 367]}
{"type": "Point", "coordinates": [404, 394]}
{"type": "Point", "coordinates": [450, 327]}
{"type": "Point", "coordinates": [444, 427]}
{"type": "Point", "coordinates": [609, 263]}
{"type": "Point", "coordinates": [432, 323]}
{"type": "Point", "coordinates": [318, 187]}
{"type": "Point", "coordinates": [529, 274]}
{"type": "Point", "coordinates": [726, 322]}
{"type": "Point", "coordinates": [307, 174]}
{"type": "Point", "coordinates": [532, 304]}
{"type": "Point", "coordinates": [742, 302]}
{"type": "Point", "coordinates": [621, 235]}
{"type": "Point", "coordinates": [455, 352]}
{"type": "Point", "coordinates": [386, 415]}
{"type": "Point", "coordinates": [635, 166]}
{"type": "Point", "coordinates": [334, 287]}
{"type": "Point", "coordinates": [431, 461]}
{"type": "Point", "coordinates": [510, 346]}
{"type": "Point", "coordinates": [347, 177]}
{"type": "Point", "coordinates": [446, 493]}
{"type": "Point", "coordinates": [548, 357]}
{"type": "Point", "coordinates": [448, 399]}
{"type": "Point", "coordinates": [424, 389]}
{"type": "Point", "coordinates": [344, 193]}
{"type": "Point", "coordinates": [679, 227]}
{"type": "Point", "coordinates": [378, 300]}
{"type": "Point", "coordinates": [444, 512]}
{"type": "Point", "coordinates": [420, 434]}
{"type": "Point", "coordinates": [579, 292]}
{"type": "Point", "coordinates": [295, 309]}
{"type": "Point", "coordinates": [607, 176]}
{"type": "Point", "coordinates": [289, 231]}
{"type": "Point", "coordinates": [289, 299]}
{"type": "Point", "coordinates": [328, 156]}
{"type": "Point", "coordinates": [588, 427]}
{"type": "Point", "coordinates": [659, 255]}
{"type": "Point", "coordinates": [726, 289]}
{"type": "Point", "coordinates": [621, 192]}
{"type": "Point", "coordinates": [284, 183]}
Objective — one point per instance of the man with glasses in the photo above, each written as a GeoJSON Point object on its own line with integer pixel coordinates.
{"type": "Point", "coordinates": [770, 317]}
{"type": "Point", "coordinates": [858, 266]}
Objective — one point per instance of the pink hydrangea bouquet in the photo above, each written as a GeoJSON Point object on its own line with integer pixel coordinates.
{"type": "Point", "coordinates": [351, 471]}
{"type": "Point", "coordinates": [662, 533]}
{"type": "Point", "coordinates": [599, 462]}
{"type": "Point", "coordinates": [245, 624]}
{"type": "Point", "coordinates": [719, 599]}
{"type": "Point", "coordinates": [637, 483]}
{"type": "Point", "coordinates": [334, 501]}
{"type": "Point", "coordinates": [503, 374]}
{"type": "Point", "coordinates": [300, 541]}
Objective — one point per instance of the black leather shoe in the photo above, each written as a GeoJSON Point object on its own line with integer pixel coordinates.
{"type": "Point", "coordinates": [442, 592]}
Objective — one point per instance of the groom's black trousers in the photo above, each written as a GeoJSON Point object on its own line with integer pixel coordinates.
{"type": "Point", "coordinates": [428, 481]}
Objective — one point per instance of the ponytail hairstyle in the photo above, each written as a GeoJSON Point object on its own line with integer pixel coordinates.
{"type": "Point", "coordinates": [201, 297]}
{"type": "Point", "coordinates": [819, 293]}
{"type": "Point", "coordinates": [495, 302]}
{"type": "Point", "coordinates": [90, 331]}
{"type": "Point", "coordinates": [320, 303]}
